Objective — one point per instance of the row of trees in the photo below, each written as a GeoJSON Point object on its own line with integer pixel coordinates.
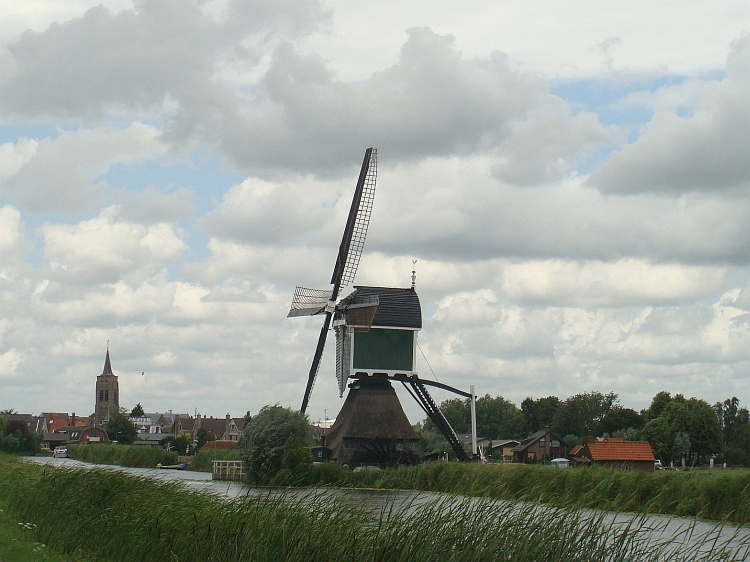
{"type": "Point", "coordinates": [16, 438]}
{"type": "Point", "coordinates": [677, 427]}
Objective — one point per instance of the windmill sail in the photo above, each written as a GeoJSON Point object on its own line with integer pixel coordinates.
{"type": "Point", "coordinates": [347, 262]}
{"type": "Point", "coordinates": [355, 232]}
{"type": "Point", "coordinates": [309, 302]}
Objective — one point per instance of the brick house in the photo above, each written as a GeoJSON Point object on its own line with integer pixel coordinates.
{"type": "Point", "coordinates": [75, 435]}
{"type": "Point", "coordinates": [539, 446]}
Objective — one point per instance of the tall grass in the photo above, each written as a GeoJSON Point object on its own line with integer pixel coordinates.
{"type": "Point", "coordinates": [115, 516]}
{"type": "Point", "coordinates": [714, 495]}
{"type": "Point", "coordinates": [123, 455]}
{"type": "Point", "coordinates": [203, 460]}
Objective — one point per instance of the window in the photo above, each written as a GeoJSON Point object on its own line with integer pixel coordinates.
{"type": "Point", "coordinates": [101, 396]}
{"type": "Point", "coordinates": [106, 395]}
{"type": "Point", "coordinates": [541, 443]}
{"type": "Point", "coordinates": [555, 443]}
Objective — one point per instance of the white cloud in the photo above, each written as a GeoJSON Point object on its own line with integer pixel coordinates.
{"type": "Point", "coordinates": [10, 229]}
{"type": "Point", "coordinates": [622, 283]}
{"type": "Point", "coordinates": [705, 151]}
{"type": "Point", "coordinates": [13, 156]}
{"type": "Point", "coordinates": [64, 174]}
{"type": "Point", "coordinates": [105, 249]}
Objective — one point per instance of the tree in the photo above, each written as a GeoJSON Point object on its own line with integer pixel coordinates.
{"type": "Point", "coordinates": [180, 444]}
{"type": "Point", "coordinates": [581, 414]}
{"type": "Point", "coordinates": [659, 435]}
{"type": "Point", "coordinates": [698, 419]}
{"type": "Point", "coordinates": [539, 413]}
{"type": "Point", "coordinates": [706, 437]}
{"type": "Point", "coordinates": [431, 440]}
{"type": "Point", "coordinates": [658, 403]}
{"type": "Point", "coordinates": [738, 451]}
{"type": "Point", "coordinates": [15, 437]}
{"type": "Point", "coordinates": [274, 439]}
{"type": "Point", "coordinates": [201, 437]}
{"type": "Point", "coordinates": [680, 446]}
{"type": "Point", "coordinates": [731, 418]}
{"type": "Point", "coordinates": [458, 413]}
{"type": "Point", "coordinates": [137, 412]}
{"type": "Point", "coordinates": [618, 419]}
{"type": "Point", "coordinates": [498, 418]}
{"type": "Point", "coordinates": [120, 429]}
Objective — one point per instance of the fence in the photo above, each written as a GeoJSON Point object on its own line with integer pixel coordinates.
{"type": "Point", "coordinates": [228, 470]}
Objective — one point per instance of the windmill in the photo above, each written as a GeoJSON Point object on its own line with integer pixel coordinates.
{"type": "Point", "coordinates": [376, 341]}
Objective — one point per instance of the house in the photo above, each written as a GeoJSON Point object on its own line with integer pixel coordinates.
{"type": "Point", "coordinates": [575, 452]}
{"type": "Point", "coordinates": [502, 449]}
{"type": "Point", "coordinates": [620, 454]}
{"type": "Point", "coordinates": [219, 445]}
{"type": "Point", "coordinates": [219, 429]}
{"type": "Point", "coordinates": [319, 431]}
{"type": "Point", "coordinates": [465, 438]}
{"type": "Point", "coordinates": [184, 423]}
{"type": "Point", "coordinates": [34, 424]}
{"type": "Point", "coordinates": [539, 446]}
{"type": "Point", "coordinates": [75, 435]}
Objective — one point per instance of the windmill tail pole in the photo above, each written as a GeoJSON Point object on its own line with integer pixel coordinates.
{"type": "Point", "coordinates": [473, 422]}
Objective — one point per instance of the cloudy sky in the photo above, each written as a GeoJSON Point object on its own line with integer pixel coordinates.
{"type": "Point", "coordinates": [573, 177]}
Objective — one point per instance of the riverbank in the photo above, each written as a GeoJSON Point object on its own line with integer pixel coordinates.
{"type": "Point", "coordinates": [122, 455]}
{"type": "Point", "coordinates": [110, 515]}
{"type": "Point", "coordinates": [715, 495]}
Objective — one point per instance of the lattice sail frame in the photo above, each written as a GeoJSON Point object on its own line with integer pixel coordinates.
{"type": "Point", "coordinates": [309, 302]}
{"type": "Point", "coordinates": [361, 222]}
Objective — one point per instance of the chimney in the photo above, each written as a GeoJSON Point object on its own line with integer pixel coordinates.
{"type": "Point", "coordinates": [226, 430]}
{"type": "Point", "coordinates": [73, 420]}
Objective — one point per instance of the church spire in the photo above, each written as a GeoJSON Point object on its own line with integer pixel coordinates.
{"type": "Point", "coordinates": [107, 365]}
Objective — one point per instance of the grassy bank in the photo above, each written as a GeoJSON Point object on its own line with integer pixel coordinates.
{"type": "Point", "coordinates": [114, 516]}
{"type": "Point", "coordinates": [123, 455]}
{"type": "Point", "coordinates": [716, 495]}
{"type": "Point", "coordinates": [203, 460]}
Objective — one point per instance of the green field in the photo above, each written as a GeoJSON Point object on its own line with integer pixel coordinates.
{"type": "Point", "coordinates": [106, 515]}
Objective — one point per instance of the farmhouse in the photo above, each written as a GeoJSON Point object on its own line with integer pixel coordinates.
{"type": "Point", "coordinates": [618, 453]}
{"type": "Point", "coordinates": [540, 445]}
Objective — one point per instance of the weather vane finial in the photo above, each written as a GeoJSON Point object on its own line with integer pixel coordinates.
{"type": "Point", "coordinates": [413, 273]}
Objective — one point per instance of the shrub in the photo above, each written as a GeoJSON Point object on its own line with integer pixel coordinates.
{"type": "Point", "coordinates": [273, 439]}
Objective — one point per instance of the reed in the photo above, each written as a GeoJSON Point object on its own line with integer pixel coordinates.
{"type": "Point", "coordinates": [203, 459]}
{"type": "Point", "coordinates": [122, 455]}
{"type": "Point", "coordinates": [716, 495]}
{"type": "Point", "coordinates": [115, 516]}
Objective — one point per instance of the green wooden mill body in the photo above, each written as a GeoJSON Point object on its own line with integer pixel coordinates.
{"type": "Point", "coordinates": [376, 333]}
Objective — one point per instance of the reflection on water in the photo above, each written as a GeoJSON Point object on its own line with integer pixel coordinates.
{"type": "Point", "coordinates": [689, 533]}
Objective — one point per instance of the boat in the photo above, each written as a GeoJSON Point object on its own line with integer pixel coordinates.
{"type": "Point", "coordinates": [182, 466]}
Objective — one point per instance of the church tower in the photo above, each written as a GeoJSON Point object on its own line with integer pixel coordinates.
{"type": "Point", "coordinates": [107, 392]}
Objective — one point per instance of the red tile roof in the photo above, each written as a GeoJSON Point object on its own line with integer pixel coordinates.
{"type": "Point", "coordinates": [213, 445]}
{"type": "Point", "coordinates": [575, 450]}
{"type": "Point", "coordinates": [616, 450]}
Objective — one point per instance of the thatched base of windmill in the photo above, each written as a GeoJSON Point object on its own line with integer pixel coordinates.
{"type": "Point", "coordinates": [372, 428]}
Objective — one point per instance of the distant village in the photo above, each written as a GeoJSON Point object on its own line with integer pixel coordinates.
{"type": "Point", "coordinates": [155, 429]}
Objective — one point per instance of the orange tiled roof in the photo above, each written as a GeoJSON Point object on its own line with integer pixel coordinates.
{"type": "Point", "coordinates": [575, 450]}
{"type": "Point", "coordinates": [621, 451]}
